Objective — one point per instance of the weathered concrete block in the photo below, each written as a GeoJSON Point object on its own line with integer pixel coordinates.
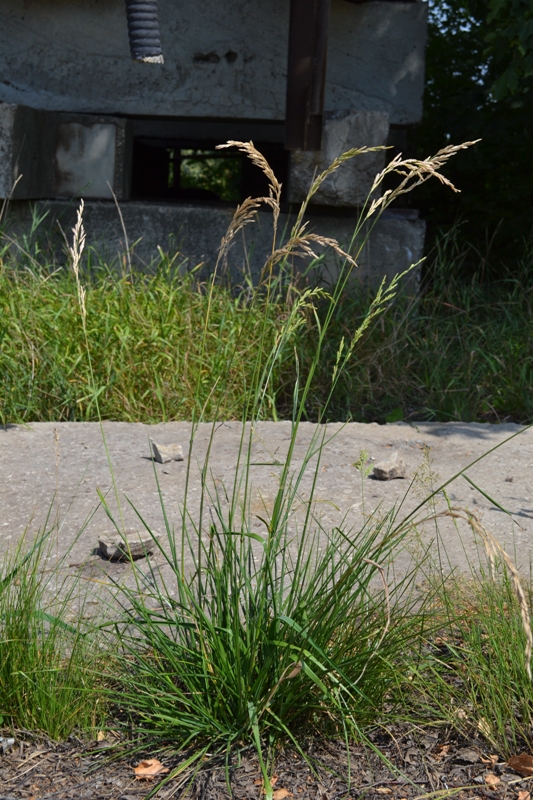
{"type": "Point", "coordinates": [351, 183]}
{"type": "Point", "coordinates": [92, 156]}
{"type": "Point", "coordinates": [391, 469]}
{"type": "Point", "coordinates": [163, 453]}
{"type": "Point", "coordinates": [221, 59]}
{"type": "Point", "coordinates": [7, 120]}
{"type": "Point", "coordinates": [26, 151]}
{"type": "Point", "coordinates": [62, 155]}
{"type": "Point", "coordinates": [376, 58]}
{"type": "Point", "coordinates": [394, 243]}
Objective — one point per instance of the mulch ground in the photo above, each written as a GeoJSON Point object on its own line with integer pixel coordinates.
{"type": "Point", "coordinates": [428, 764]}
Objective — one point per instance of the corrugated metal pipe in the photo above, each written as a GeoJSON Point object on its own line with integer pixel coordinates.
{"type": "Point", "coordinates": [143, 30]}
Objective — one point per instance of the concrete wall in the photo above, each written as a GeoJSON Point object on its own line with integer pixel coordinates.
{"type": "Point", "coordinates": [195, 232]}
{"type": "Point", "coordinates": [222, 59]}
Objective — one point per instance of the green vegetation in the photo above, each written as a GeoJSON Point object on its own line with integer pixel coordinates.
{"type": "Point", "coordinates": [461, 351]}
{"type": "Point", "coordinates": [200, 169]}
{"type": "Point", "coordinates": [264, 637]}
{"type": "Point", "coordinates": [253, 639]}
{"type": "Point", "coordinates": [479, 84]}
{"type": "Point", "coordinates": [149, 358]}
{"type": "Point", "coordinates": [473, 676]}
{"type": "Point", "coordinates": [48, 676]}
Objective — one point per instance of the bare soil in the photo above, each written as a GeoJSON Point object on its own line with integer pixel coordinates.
{"type": "Point", "coordinates": [425, 764]}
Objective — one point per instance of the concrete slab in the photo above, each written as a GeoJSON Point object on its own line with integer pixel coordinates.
{"type": "Point", "coordinates": [50, 470]}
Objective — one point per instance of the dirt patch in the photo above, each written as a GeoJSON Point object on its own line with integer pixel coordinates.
{"type": "Point", "coordinates": [426, 763]}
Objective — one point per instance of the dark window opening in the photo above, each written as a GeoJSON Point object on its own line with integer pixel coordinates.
{"type": "Point", "coordinates": [174, 170]}
{"type": "Point", "coordinates": [219, 175]}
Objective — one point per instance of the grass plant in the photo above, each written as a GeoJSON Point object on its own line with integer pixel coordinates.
{"type": "Point", "coordinates": [474, 679]}
{"type": "Point", "coordinates": [258, 637]}
{"type": "Point", "coordinates": [146, 343]}
{"type": "Point", "coordinates": [47, 678]}
{"type": "Point", "coordinates": [266, 639]}
{"type": "Point", "coordinates": [459, 351]}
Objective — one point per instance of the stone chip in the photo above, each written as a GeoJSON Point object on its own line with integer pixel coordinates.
{"type": "Point", "coordinates": [166, 452]}
{"type": "Point", "coordinates": [131, 546]}
{"type": "Point", "coordinates": [394, 467]}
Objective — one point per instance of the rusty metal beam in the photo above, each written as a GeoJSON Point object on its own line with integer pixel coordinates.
{"type": "Point", "coordinates": [306, 74]}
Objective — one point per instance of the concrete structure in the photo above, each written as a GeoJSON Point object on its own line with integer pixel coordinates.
{"type": "Point", "coordinates": [222, 59]}
{"type": "Point", "coordinates": [45, 154]}
{"type": "Point", "coordinates": [195, 231]}
{"type": "Point", "coordinates": [79, 118]}
{"type": "Point", "coordinates": [351, 184]}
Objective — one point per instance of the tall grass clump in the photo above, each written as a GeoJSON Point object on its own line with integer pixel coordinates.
{"type": "Point", "coordinates": [146, 334]}
{"type": "Point", "coordinates": [473, 679]}
{"type": "Point", "coordinates": [48, 682]}
{"type": "Point", "coordinates": [246, 638]}
{"type": "Point", "coordinates": [456, 351]}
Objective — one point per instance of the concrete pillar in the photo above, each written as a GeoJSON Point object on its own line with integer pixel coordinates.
{"type": "Point", "coordinates": [350, 184]}
{"type": "Point", "coordinates": [44, 154]}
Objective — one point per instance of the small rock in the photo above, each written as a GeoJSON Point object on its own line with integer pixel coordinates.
{"type": "Point", "coordinates": [467, 756]}
{"type": "Point", "coordinates": [5, 744]}
{"type": "Point", "coordinates": [166, 452]}
{"type": "Point", "coordinates": [132, 546]}
{"type": "Point", "coordinates": [388, 470]}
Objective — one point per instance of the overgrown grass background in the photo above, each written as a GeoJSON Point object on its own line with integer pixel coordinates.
{"type": "Point", "coordinates": [462, 350]}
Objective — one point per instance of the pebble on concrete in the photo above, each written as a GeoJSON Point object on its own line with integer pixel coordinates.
{"type": "Point", "coordinates": [393, 467]}
{"type": "Point", "coordinates": [166, 452]}
{"type": "Point", "coordinates": [115, 547]}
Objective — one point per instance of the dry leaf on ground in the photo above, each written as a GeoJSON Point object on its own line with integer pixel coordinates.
{"type": "Point", "coordinates": [441, 751]}
{"type": "Point", "coordinates": [383, 790]}
{"type": "Point", "coordinates": [523, 764]}
{"type": "Point", "coordinates": [279, 794]}
{"type": "Point", "coordinates": [491, 759]}
{"type": "Point", "coordinates": [523, 795]}
{"type": "Point", "coordinates": [148, 769]}
{"type": "Point", "coordinates": [491, 779]}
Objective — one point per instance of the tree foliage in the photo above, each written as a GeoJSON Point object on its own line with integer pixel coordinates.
{"type": "Point", "coordinates": [479, 84]}
{"type": "Point", "coordinates": [509, 38]}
